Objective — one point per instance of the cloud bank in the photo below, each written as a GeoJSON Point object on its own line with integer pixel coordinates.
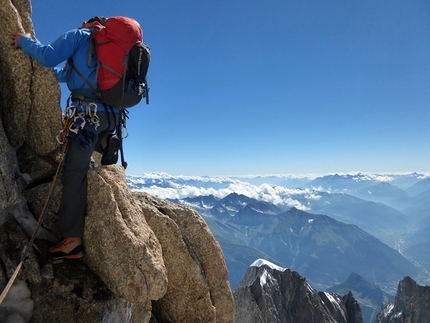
{"type": "Point", "coordinates": [287, 190]}
{"type": "Point", "coordinates": [179, 187]}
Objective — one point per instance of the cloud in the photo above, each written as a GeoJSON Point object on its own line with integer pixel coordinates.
{"type": "Point", "coordinates": [166, 186]}
{"type": "Point", "coordinates": [180, 188]}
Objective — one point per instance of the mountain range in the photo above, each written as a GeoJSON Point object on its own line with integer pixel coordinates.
{"type": "Point", "coordinates": [324, 227]}
{"type": "Point", "coordinates": [392, 207]}
{"type": "Point", "coordinates": [319, 247]}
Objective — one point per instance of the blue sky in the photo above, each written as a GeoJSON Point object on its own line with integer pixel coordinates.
{"type": "Point", "coordinates": [275, 86]}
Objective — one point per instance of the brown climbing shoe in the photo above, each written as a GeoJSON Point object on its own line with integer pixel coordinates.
{"type": "Point", "coordinates": [67, 248]}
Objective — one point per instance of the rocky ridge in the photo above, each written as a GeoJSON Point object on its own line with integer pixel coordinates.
{"type": "Point", "coordinates": [269, 293]}
{"type": "Point", "coordinates": [411, 305]}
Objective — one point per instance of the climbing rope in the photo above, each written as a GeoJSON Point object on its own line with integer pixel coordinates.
{"type": "Point", "coordinates": [68, 117]}
{"type": "Point", "coordinates": [62, 139]}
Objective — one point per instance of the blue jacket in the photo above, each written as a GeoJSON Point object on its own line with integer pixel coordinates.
{"type": "Point", "coordinates": [74, 44]}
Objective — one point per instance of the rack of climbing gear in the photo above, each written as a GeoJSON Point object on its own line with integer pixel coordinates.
{"type": "Point", "coordinates": [62, 139]}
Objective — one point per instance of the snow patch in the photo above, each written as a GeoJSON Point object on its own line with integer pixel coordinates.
{"type": "Point", "coordinates": [310, 288]}
{"type": "Point", "coordinates": [261, 262]}
{"type": "Point", "coordinates": [388, 310]}
{"type": "Point", "coordinates": [263, 278]}
{"type": "Point", "coordinates": [17, 305]}
{"type": "Point", "coordinates": [333, 300]}
{"type": "Point", "coordinates": [26, 220]}
{"type": "Point", "coordinates": [118, 313]}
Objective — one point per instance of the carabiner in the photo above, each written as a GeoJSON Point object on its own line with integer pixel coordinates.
{"type": "Point", "coordinates": [69, 112]}
{"type": "Point", "coordinates": [92, 115]}
{"type": "Point", "coordinates": [78, 123]}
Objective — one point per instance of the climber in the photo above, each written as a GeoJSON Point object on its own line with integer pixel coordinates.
{"type": "Point", "coordinates": [97, 135]}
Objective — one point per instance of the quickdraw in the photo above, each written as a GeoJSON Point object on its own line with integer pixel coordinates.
{"type": "Point", "coordinates": [62, 157]}
{"type": "Point", "coordinates": [92, 114]}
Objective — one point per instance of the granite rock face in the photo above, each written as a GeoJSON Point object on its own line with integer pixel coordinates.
{"type": "Point", "coordinates": [411, 305]}
{"type": "Point", "coordinates": [29, 93]}
{"type": "Point", "coordinates": [120, 246]}
{"type": "Point", "coordinates": [272, 294]}
{"type": "Point", "coordinates": [198, 285]}
{"type": "Point", "coordinates": [146, 260]}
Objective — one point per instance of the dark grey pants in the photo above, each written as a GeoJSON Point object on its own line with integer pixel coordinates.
{"type": "Point", "coordinates": [76, 165]}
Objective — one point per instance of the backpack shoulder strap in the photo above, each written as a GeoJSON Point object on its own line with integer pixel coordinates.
{"type": "Point", "coordinates": [70, 62]}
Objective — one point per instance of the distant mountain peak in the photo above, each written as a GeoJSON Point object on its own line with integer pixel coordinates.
{"type": "Point", "coordinates": [410, 305]}
{"type": "Point", "coordinates": [262, 262]}
{"type": "Point", "coordinates": [269, 293]}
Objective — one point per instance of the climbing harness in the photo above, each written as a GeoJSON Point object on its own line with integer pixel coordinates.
{"type": "Point", "coordinates": [62, 139]}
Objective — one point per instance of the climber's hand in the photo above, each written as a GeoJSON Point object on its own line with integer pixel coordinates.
{"type": "Point", "coordinates": [15, 38]}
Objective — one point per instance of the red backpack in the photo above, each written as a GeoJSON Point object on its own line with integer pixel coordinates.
{"type": "Point", "coordinates": [123, 61]}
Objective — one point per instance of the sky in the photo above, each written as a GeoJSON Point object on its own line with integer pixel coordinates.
{"type": "Point", "coordinates": [274, 86]}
